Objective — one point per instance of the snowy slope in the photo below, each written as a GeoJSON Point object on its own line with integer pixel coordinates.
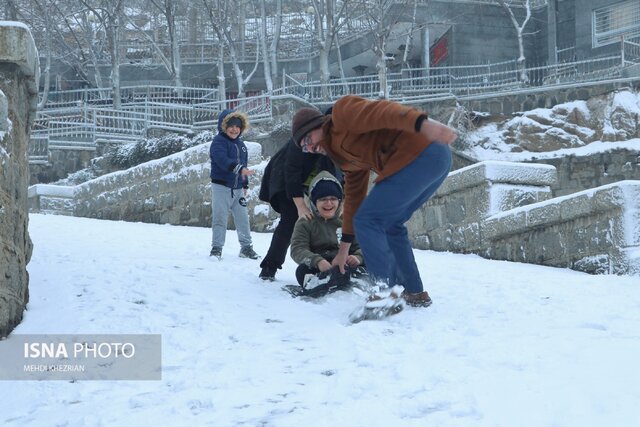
{"type": "Point", "coordinates": [504, 344]}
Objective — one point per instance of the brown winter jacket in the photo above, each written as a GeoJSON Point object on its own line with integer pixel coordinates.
{"type": "Point", "coordinates": [363, 136]}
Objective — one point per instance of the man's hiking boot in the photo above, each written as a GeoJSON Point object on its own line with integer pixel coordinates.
{"type": "Point", "coordinates": [248, 252]}
{"type": "Point", "coordinates": [418, 299]}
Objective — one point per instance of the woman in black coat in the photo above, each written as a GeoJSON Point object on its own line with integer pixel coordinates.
{"type": "Point", "coordinates": [284, 183]}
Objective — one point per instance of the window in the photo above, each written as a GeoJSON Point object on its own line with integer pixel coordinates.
{"type": "Point", "coordinates": [612, 22]}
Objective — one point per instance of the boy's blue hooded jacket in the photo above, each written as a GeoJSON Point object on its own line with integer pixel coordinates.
{"type": "Point", "coordinates": [229, 156]}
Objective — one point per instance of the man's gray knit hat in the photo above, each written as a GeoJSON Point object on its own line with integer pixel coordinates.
{"type": "Point", "coordinates": [305, 120]}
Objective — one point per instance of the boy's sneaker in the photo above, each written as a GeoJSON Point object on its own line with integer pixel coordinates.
{"type": "Point", "coordinates": [248, 252]}
{"type": "Point", "coordinates": [216, 252]}
{"type": "Point", "coordinates": [419, 299]}
{"type": "Point", "coordinates": [268, 274]}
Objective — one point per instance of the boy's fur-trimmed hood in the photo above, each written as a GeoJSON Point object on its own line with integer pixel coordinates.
{"type": "Point", "coordinates": [226, 115]}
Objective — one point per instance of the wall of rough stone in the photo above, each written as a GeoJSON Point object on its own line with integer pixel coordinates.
{"type": "Point", "coordinates": [505, 211]}
{"type": "Point", "coordinates": [577, 173]}
{"type": "Point", "coordinates": [453, 217]}
{"type": "Point", "coordinates": [18, 99]}
{"type": "Point", "coordinates": [596, 231]}
{"type": "Point", "coordinates": [544, 97]}
{"type": "Point", "coordinates": [499, 210]}
{"type": "Point", "coordinates": [173, 190]}
{"type": "Point", "coordinates": [61, 164]}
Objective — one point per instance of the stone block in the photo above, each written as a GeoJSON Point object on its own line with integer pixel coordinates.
{"type": "Point", "coordinates": [632, 227]}
{"type": "Point", "coordinates": [440, 239]}
{"type": "Point", "coordinates": [17, 100]}
{"type": "Point", "coordinates": [472, 237]}
{"type": "Point", "coordinates": [458, 242]}
{"type": "Point", "coordinates": [504, 225]}
{"type": "Point", "coordinates": [421, 242]}
{"type": "Point", "coordinates": [551, 247]}
{"type": "Point", "coordinates": [543, 216]}
{"type": "Point", "coordinates": [575, 207]}
{"type": "Point", "coordinates": [455, 211]}
{"type": "Point", "coordinates": [17, 47]}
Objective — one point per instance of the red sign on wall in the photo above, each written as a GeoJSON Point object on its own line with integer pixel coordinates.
{"type": "Point", "coordinates": [440, 50]}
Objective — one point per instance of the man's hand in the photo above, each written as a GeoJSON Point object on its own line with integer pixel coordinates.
{"type": "Point", "coordinates": [341, 259]}
{"type": "Point", "coordinates": [246, 172]}
{"type": "Point", "coordinates": [436, 131]}
{"type": "Point", "coordinates": [303, 210]}
{"type": "Point", "coordinates": [353, 261]}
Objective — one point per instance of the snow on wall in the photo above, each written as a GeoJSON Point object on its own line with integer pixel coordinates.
{"type": "Point", "coordinates": [477, 209]}
{"type": "Point", "coordinates": [52, 190]}
{"type": "Point", "coordinates": [498, 171]}
{"type": "Point", "coordinates": [579, 128]}
{"type": "Point", "coordinates": [5, 125]}
{"type": "Point", "coordinates": [173, 189]}
{"type": "Point", "coordinates": [596, 230]}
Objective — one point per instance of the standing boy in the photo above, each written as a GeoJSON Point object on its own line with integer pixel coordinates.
{"type": "Point", "coordinates": [229, 183]}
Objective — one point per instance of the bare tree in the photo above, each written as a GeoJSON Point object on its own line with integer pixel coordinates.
{"type": "Point", "coordinates": [89, 39]}
{"type": "Point", "coordinates": [268, 50]}
{"type": "Point", "coordinates": [221, 16]}
{"type": "Point", "coordinates": [273, 48]}
{"type": "Point", "coordinates": [47, 13]}
{"type": "Point", "coordinates": [56, 36]}
{"type": "Point", "coordinates": [519, 27]}
{"type": "Point", "coordinates": [262, 35]}
{"type": "Point", "coordinates": [381, 18]}
{"type": "Point", "coordinates": [409, 42]}
{"type": "Point", "coordinates": [111, 15]}
{"type": "Point", "coordinates": [327, 17]}
{"type": "Point", "coordinates": [10, 10]}
{"type": "Point", "coordinates": [38, 14]}
{"type": "Point", "coordinates": [168, 9]}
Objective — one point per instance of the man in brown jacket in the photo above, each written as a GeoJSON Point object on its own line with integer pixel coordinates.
{"type": "Point", "coordinates": [410, 155]}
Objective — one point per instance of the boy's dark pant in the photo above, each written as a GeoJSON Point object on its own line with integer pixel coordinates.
{"type": "Point", "coordinates": [282, 234]}
{"type": "Point", "coordinates": [302, 271]}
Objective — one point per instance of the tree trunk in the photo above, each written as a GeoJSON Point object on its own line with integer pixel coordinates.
{"type": "Point", "coordinates": [325, 74]}
{"type": "Point", "coordinates": [263, 47]}
{"type": "Point", "coordinates": [273, 50]}
{"type": "Point", "coordinates": [222, 81]}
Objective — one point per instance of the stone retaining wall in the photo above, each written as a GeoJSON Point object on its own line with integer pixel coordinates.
{"type": "Point", "coordinates": [452, 219]}
{"type": "Point", "coordinates": [499, 210]}
{"type": "Point", "coordinates": [596, 231]}
{"type": "Point", "coordinates": [577, 173]}
{"type": "Point", "coordinates": [504, 211]}
{"type": "Point", "coordinates": [173, 190]}
{"type": "Point", "coordinates": [18, 99]}
{"type": "Point", "coordinates": [543, 97]}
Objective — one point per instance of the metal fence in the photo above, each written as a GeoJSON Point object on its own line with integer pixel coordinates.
{"type": "Point", "coordinates": [82, 118]}
{"type": "Point", "coordinates": [464, 81]}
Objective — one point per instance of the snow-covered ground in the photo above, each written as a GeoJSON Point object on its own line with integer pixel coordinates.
{"type": "Point", "coordinates": [504, 344]}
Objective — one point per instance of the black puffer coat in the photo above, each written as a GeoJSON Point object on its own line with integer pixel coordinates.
{"type": "Point", "coordinates": [290, 171]}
